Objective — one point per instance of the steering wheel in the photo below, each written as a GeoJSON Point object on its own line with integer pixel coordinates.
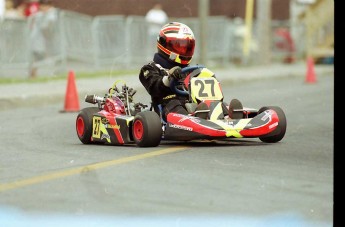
{"type": "Point", "coordinates": [174, 84]}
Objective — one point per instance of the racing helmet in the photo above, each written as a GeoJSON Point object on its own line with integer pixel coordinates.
{"type": "Point", "coordinates": [176, 42]}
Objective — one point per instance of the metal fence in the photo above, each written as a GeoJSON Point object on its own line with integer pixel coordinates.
{"type": "Point", "coordinates": [105, 42]}
{"type": "Point", "coordinates": [14, 44]}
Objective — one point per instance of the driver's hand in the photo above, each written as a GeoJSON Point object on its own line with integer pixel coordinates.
{"type": "Point", "coordinates": [175, 72]}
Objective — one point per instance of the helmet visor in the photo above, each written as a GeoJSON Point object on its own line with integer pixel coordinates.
{"type": "Point", "coordinates": [184, 47]}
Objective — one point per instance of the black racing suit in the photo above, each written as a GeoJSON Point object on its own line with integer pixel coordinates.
{"type": "Point", "coordinates": [151, 76]}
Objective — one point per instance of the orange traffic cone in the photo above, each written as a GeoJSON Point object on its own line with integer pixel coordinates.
{"type": "Point", "coordinates": [71, 98]}
{"type": "Point", "coordinates": [310, 75]}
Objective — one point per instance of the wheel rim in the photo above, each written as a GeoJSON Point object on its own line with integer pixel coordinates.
{"type": "Point", "coordinates": [80, 126]}
{"type": "Point", "coordinates": [138, 130]}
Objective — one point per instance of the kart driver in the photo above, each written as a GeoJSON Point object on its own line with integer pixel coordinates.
{"type": "Point", "coordinates": [175, 49]}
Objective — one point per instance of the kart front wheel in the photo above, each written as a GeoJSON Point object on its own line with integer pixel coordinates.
{"type": "Point", "coordinates": [84, 124]}
{"type": "Point", "coordinates": [147, 129]}
{"type": "Point", "coordinates": [279, 132]}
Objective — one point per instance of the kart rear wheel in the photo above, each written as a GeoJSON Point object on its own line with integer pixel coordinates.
{"type": "Point", "coordinates": [147, 129]}
{"type": "Point", "coordinates": [279, 132]}
{"type": "Point", "coordinates": [84, 124]}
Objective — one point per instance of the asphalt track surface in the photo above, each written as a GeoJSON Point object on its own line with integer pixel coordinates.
{"type": "Point", "coordinates": [47, 177]}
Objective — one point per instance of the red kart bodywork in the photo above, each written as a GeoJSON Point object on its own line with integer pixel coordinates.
{"type": "Point", "coordinates": [118, 120]}
{"type": "Point", "coordinates": [182, 127]}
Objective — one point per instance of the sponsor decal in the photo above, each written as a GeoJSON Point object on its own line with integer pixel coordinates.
{"type": "Point", "coordinates": [267, 115]}
{"type": "Point", "coordinates": [273, 125]}
{"type": "Point", "coordinates": [181, 127]}
{"type": "Point", "coordinates": [186, 117]}
{"type": "Point", "coordinates": [230, 122]}
{"type": "Point", "coordinates": [105, 121]}
{"type": "Point", "coordinates": [112, 126]}
{"type": "Point", "coordinates": [169, 97]}
{"type": "Point", "coordinates": [105, 136]}
{"type": "Point", "coordinates": [110, 106]}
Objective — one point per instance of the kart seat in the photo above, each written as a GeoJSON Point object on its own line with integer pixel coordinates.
{"type": "Point", "coordinates": [200, 110]}
{"type": "Point", "coordinates": [191, 107]}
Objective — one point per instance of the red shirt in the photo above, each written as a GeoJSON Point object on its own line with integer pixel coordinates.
{"type": "Point", "coordinates": [31, 8]}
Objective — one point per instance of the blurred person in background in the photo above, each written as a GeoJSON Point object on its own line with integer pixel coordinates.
{"type": "Point", "coordinates": [41, 28]}
{"type": "Point", "coordinates": [2, 9]}
{"type": "Point", "coordinates": [240, 32]}
{"type": "Point", "coordinates": [13, 12]}
{"type": "Point", "coordinates": [156, 18]}
{"type": "Point", "coordinates": [31, 7]}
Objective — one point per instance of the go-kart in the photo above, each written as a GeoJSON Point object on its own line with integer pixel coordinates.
{"type": "Point", "coordinates": [119, 120]}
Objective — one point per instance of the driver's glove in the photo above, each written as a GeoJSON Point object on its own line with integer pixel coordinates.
{"type": "Point", "coordinates": [173, 73]}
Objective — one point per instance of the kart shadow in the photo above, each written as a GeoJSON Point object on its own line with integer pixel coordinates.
{"type": "Point", "coordinates": [196, 143]}
{"type": "Point", "coordinates": [213, 143]}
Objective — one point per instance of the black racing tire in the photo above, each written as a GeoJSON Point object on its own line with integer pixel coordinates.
{"type": "Point", "coordinates": [279, 133]}
{"type": "Point", "coordinates": [84, 124]}
{"type": "Point", "coordinates": [147, 129]}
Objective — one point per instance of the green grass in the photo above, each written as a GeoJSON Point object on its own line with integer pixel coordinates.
{"type": "Point", "coordinates": [79, 75]}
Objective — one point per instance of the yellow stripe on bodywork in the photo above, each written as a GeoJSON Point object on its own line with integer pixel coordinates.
{"type": "Point", "coordinates": [233, 130]}
{"type": "Point", "coordinates": [205, 73]}
{"type": "Point", "coordinates": [128, 120]}
{"type": "Point", "coordinates": [216, 111]}
{"type": "Point", "coordinates": [104, 131]}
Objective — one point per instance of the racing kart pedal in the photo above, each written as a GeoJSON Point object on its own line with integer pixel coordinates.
{"type": "Point", "coordinates": [235, 109]}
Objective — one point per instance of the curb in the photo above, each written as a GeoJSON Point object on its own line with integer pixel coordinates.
{"type": "Point", "coordinates": [36, 94]}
